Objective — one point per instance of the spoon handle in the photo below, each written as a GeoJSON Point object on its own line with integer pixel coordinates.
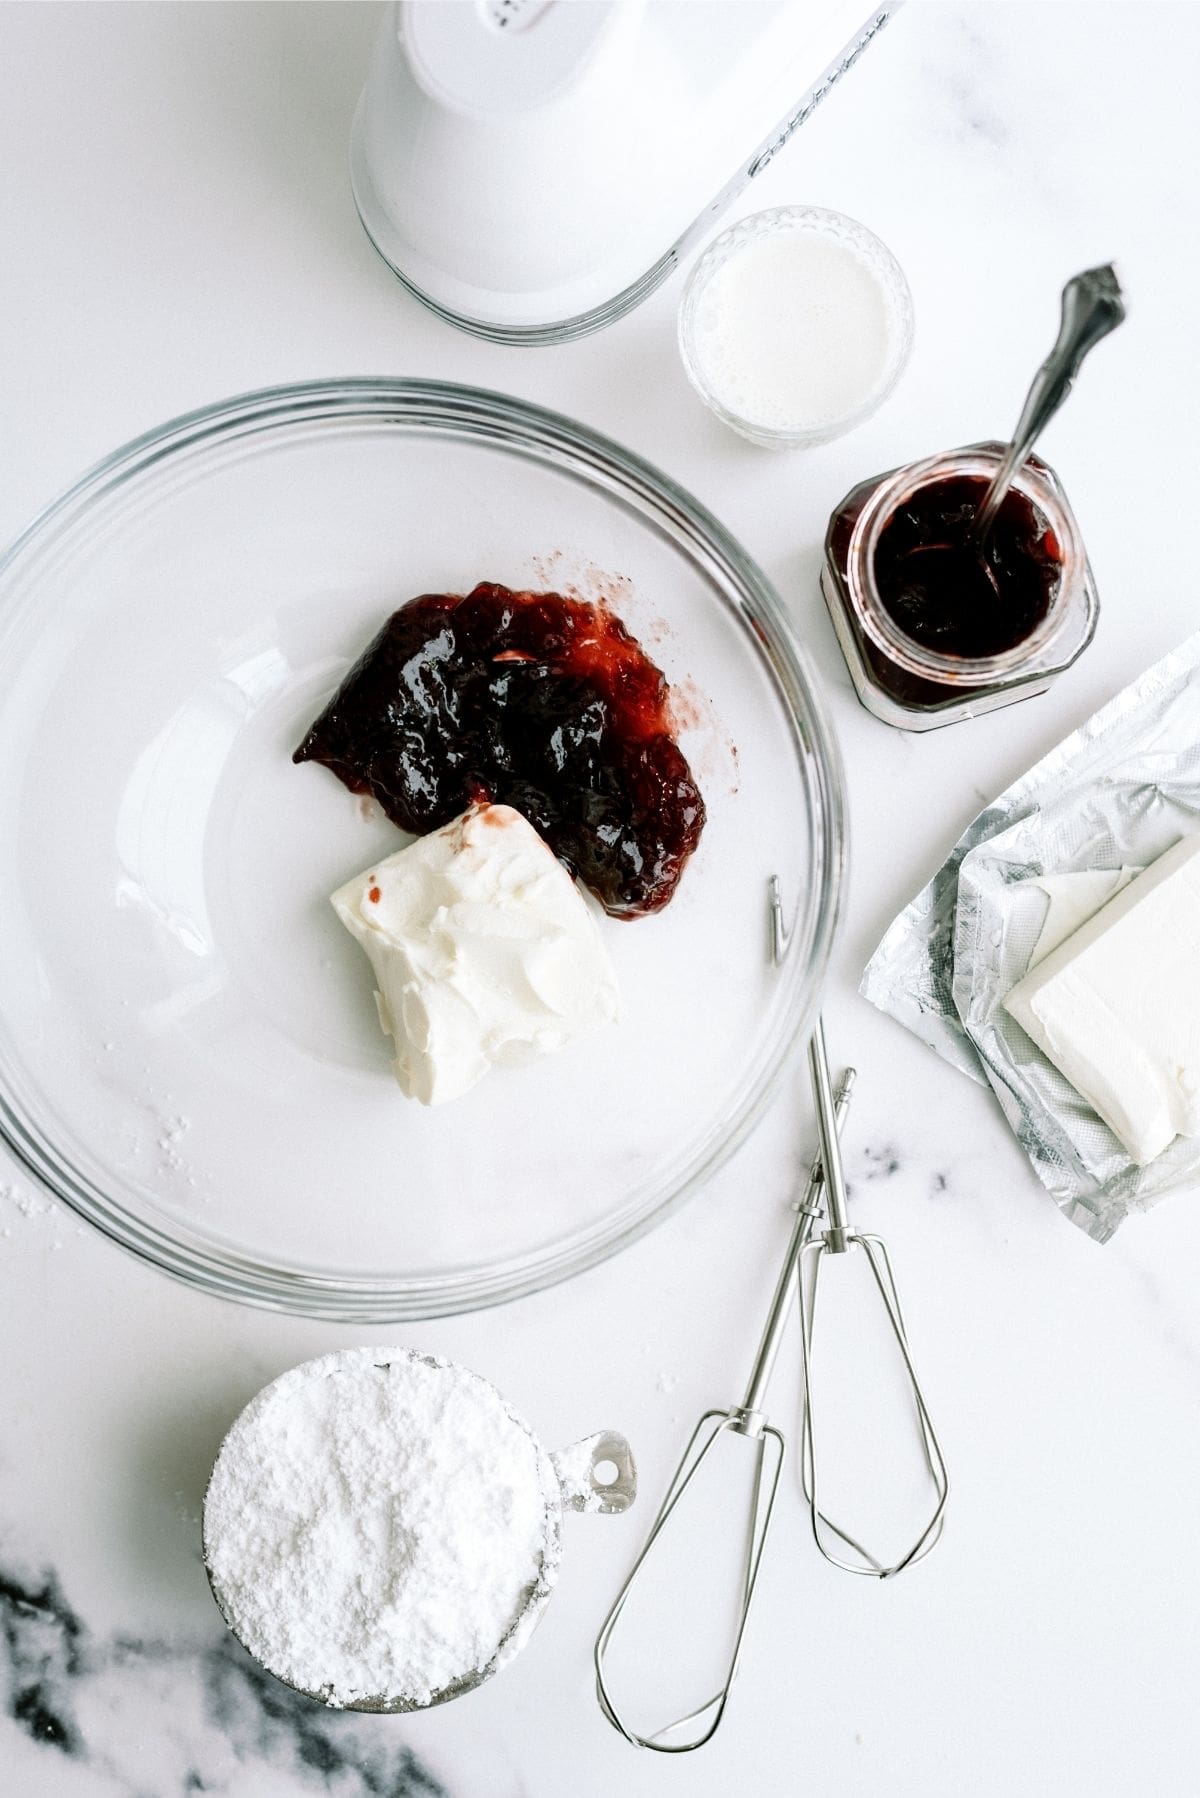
{"type": "Point", "coordinates": [1092, 306]}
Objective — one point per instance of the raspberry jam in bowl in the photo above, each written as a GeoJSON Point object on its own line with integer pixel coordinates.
{"type": "Point", "coordinates": [531, 700]}
{"type": "Point", "coordinates": [190, 1055]}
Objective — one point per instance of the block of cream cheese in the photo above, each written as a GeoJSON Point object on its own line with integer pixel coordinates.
{"type": "Point", "coordinates": [485, 951]}
{"type": "Point", "coordinates": [1116, 1007]}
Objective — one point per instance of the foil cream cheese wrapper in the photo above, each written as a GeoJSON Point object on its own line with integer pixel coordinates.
{"type": "Point", "coordinates": [1115, 794]}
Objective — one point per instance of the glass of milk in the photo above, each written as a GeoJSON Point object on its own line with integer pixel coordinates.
{"type": "Point", "coordinates": [795, 325]}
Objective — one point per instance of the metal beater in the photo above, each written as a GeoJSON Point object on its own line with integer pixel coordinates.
{"type": "Point", "coordinates": [747, 1420]}
{"type": "Point", "coordinates": [837, 1239]}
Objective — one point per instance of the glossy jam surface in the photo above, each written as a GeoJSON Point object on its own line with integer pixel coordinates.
{"type": "Point", "coordinates": [953, 596]}
{"type": "Point", "coordinates": [530, 700]}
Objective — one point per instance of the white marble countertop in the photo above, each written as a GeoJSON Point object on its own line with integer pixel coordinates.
{"type": "Point", "coordinates": [176, 226]}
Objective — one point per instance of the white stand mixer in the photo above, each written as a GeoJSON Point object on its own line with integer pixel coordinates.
{"type": "Point", "coordinates": [533, 169]}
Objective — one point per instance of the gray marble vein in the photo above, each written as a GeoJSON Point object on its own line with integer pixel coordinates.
{"type": "Point", "coordinates": [202, 1714]}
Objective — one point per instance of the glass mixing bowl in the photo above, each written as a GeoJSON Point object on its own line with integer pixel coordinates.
{"type": "Point", "coordinates": [189, 1054]}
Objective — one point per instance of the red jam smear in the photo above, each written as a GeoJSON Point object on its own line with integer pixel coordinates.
{"type": "Point", "coordinates": [953, 596]}
{"type": "Point", "coordinates": [525, 699]}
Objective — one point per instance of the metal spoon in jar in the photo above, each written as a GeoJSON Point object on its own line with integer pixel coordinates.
{"type": "Point", "coordinates": [1092, 306]}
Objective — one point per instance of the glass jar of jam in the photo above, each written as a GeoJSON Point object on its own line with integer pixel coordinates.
{"type": "Point", "coordinates": [935, 628]}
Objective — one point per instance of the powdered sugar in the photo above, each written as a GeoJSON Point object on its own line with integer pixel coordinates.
{"type": "Point", "coordinates": [573, 1466]}
{"type": "Point", "coordinates": [29, 1203]}
{"type": "Point", "coordinates": [381, 1525]}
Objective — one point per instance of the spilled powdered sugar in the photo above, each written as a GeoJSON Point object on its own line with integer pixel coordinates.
{"type": "Point", "coordinates": [381, 1524]}
{"type": "Point", "coordinates": [28, 1203]}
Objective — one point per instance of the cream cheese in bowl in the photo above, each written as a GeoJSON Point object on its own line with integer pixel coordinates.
{"type": "Point", "coordinates": [485, 951]}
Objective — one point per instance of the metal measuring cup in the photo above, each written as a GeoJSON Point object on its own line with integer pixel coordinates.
{"type": "Point", "coordinates": [596, 1474]}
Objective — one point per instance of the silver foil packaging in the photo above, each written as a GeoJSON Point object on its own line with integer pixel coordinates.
{"type": "Point", "coordinates": [1114, 795]}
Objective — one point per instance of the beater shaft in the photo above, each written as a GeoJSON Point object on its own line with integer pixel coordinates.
{"type": "Point", "coordinates": [836, 1239]}
{"type": "Point", "coordinates": [808, 1211]}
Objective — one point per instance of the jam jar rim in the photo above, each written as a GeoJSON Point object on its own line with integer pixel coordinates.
{"type": "Point", "coordinates": [1038, 481]}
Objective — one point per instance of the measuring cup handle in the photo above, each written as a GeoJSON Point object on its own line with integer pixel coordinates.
{"type": "Point", "coordinates": [582, 1487]}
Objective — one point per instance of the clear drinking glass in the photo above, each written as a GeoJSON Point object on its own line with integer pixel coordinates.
{"type": "Point", "coordinates": [700, 349]}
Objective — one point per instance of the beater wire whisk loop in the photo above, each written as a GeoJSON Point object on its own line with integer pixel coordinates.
{"type": "Point", "coordinates": [838, 1239]}
{"type": "Point", "coordinates": [703, 1439]}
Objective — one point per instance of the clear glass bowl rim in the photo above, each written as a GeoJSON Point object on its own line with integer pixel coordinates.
{"type": "Point", "coordinates": [466, 412]}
